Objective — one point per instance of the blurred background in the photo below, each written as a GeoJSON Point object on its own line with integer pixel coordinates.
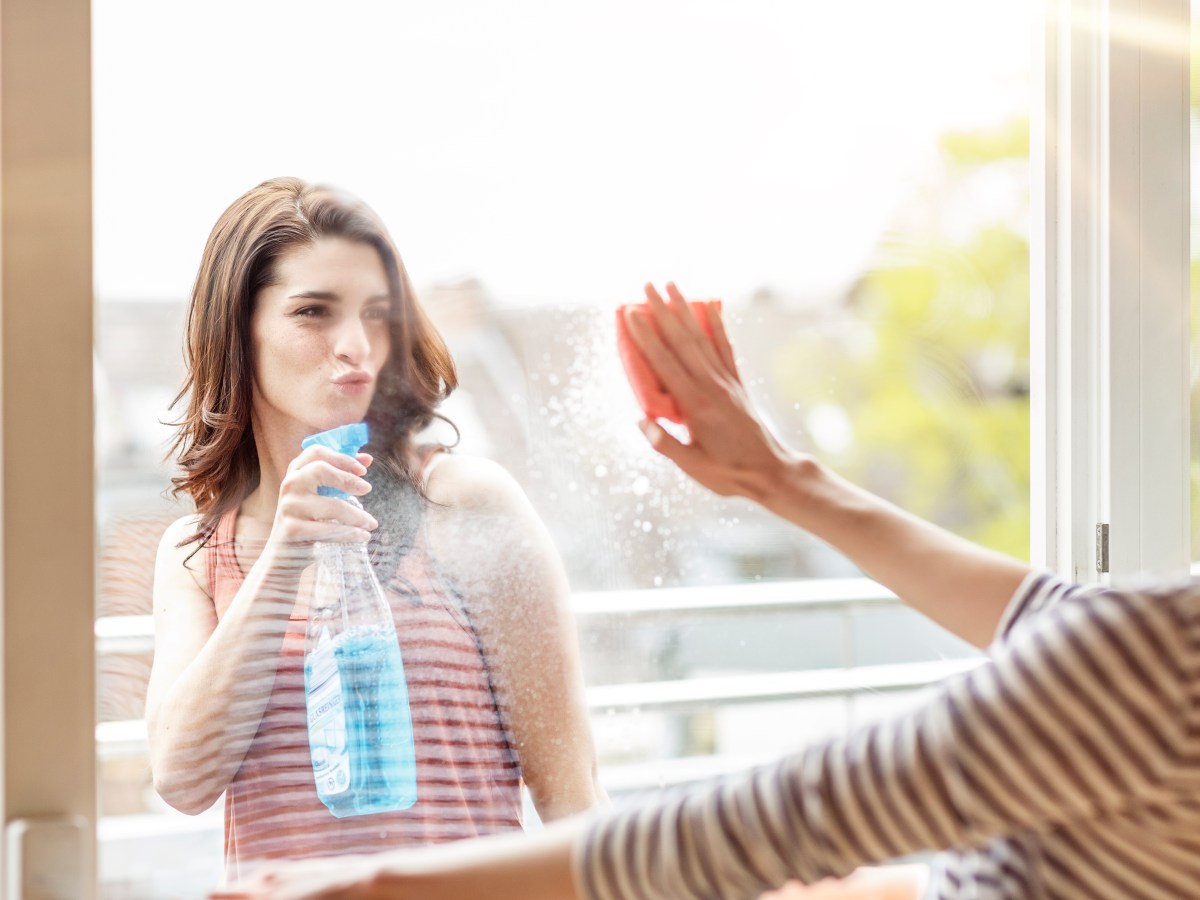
{"type": "Point", "coordinates": [851, 179]}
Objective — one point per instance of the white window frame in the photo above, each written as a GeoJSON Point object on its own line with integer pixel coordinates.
{"type": "Point", "coordinates": [1109, 342]}
{"type": "Point", "coordinates": [1109, 346]}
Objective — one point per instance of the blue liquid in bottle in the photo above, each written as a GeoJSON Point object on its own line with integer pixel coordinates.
{"type": "Point", "coordinates": [359, 721]}
{"type": "Point", "coordinates": [378, 722]}
{"type": "Point", "coordinates": [368, 764]}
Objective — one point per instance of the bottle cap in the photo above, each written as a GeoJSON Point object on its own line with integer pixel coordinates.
{"type": "Point", "coordinates": [347, 439]}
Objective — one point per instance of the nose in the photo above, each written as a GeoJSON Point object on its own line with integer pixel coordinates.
{"type": "Point", "coordinates": [351, 342]}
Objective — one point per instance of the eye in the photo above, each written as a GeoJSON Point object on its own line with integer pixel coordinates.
{"type": "Point", "coordinates": [311, 312]}
{"type": "Point", "coordinates": [380, 312]}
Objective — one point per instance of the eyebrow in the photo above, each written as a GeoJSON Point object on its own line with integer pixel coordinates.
{"type": "Point", "coordinates": [335, 298]}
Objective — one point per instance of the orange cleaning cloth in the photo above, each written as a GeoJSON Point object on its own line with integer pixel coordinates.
{"type": "Point", "coordinates": [655, 402]}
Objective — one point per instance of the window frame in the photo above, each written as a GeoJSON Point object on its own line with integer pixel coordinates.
{"type": "Point", "coordinates": [46, 471]}
{"type": "Point", "coordinates": [1109, 306]}
{"type": "Point", "coordinates": [1109, 349]}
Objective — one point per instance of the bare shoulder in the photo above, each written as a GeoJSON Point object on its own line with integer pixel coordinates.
{"type": "Point", "coordinates": [474, 484]}
{"type": "Point", "coordinates": [178, 532]}
{"type": "Point", "coordinates": [180, 562]}
{"type": "Point", "coordinates": [484, 532]}
{"type": "Point", "coordinates": [477, 504]}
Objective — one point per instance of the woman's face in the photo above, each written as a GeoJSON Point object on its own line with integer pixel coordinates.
{"type": "Point", "coordinates": [319, 338]}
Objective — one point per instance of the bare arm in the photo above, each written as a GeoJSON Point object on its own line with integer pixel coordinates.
{"type": "Point", "coordinates": [489, 542]}
{"type": "Point", "coordinates": [960, 585]}
{"type": "Point", "coordinates": [891, 882]}
{"type": "Point", "coordinates": [508, 867]}
{"type": "Point", "coordinates": [210, 681]}
{"type": "Point", "coordinates": [206, 691]}
{"type": "Point", "coordinates": [502, 867]}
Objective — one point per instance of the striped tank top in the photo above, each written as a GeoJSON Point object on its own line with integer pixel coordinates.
{"type": "Point", "coordinates": [468, 775]}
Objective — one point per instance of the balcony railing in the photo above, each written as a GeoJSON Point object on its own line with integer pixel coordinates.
{"type": "Point", "coordinates": [135, 634]}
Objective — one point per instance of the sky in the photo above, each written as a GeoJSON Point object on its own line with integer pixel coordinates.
{"type": "Point", "coordinates": [560, 152]}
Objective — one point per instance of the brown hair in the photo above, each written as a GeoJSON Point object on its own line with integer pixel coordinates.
{"type": "Point", "coordinates": [215, 443]}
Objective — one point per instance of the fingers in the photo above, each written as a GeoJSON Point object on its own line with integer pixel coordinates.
{"type": "Point", "coordinates": [319, 474]}
{"type": "Point", "coordinates": [720, 342]}
{"type": "Point", "coordinates": [325, 510]}
{"type": "Point", "coordinates": [691, 459]}
{"type": "Point", "coordinates": [680, 330]}
{"type": "Point", "coordinates": [321, 467]}
{"type": "Point", "coordinates": [356, 465]}
{"type": "Point", "coordinates": [691, 314]}
{"type": "Point", "coordinates": [676, 451]}
{"type": "Point", "coordinates": [304, 516]}
{"type": "Point", "coordinates": [300, 523]}
{"type": "Point", "coordinates": [683, 311]}
{"type": "Point", "coordinates": [667, 368]}
{"type": "Point", "coordinates": [653, 298]}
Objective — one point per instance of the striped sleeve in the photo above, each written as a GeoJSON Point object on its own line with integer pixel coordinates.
{"type": "Point", "coordinates": [1080, 713]}
{"type": "Point", "coordinates": [1039, 592]}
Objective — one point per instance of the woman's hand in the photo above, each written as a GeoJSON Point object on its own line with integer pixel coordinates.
{"type": "Point", "coordinates": [304, 516]}
{"type": "Point", "coordinates": [959, 585]}
{"type": "Point", "coordinates": [513, 866]}
{"type": "Point", "coordinates": [890, 882]}
{"type": "Point", "coordinates": [342, 878]}
{"type": "Point", "coordinates": [211, 681]}
{"type": "Point", "coordinates": [730, 450]}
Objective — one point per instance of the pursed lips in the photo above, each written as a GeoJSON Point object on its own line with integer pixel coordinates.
{"type": "Point", "coordinates": [351, 382]}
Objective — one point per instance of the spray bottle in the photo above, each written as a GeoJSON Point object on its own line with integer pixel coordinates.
{"type": "Point", "coordinates": [359, 722]}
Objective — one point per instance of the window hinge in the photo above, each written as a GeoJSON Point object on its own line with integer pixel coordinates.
{"type": "Point", "coordinates": [1102, 547]}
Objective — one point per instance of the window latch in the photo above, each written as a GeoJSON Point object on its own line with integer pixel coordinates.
{"type": "Point", "coordinates": [1102, 548]}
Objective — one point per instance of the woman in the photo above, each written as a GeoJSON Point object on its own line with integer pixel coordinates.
{"type": "Point", "coordinates": [1069, 767]}
{"type": "Point", "coordinates": [303, 319]}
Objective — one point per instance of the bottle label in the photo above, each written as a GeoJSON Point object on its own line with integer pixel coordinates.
{"type": "Point", "coordinates": [327, 721]}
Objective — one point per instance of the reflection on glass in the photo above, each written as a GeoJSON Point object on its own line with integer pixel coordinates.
{"type": "Point", "coordinates": [856, 196]}
{"type": "Point", "coordinates": [302, 320]}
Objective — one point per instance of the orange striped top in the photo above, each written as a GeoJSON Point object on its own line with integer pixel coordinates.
{"type": "Point", "coordinates": [468, 775]}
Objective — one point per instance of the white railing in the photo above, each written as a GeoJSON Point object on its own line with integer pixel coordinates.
{"type": "Point", "coordinates": [811, 595]}
{"type": "Point", "coordinates": [129, 737]}
{"type": "Point", "coordinates": [700, 693]}
{"type": "Point", "coordinates": [135, 634]}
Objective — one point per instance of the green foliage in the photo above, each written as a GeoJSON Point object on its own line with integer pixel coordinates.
{"type": "Point", "coordinates": [1009, 141]}
{"type": "Point", "coordinates": [931, 366]}
{"type": "Point", "coordinates": [929, 362]}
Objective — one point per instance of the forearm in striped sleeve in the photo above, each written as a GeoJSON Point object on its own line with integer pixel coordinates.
{"type": "Point", "coordinates": [1080, 714]}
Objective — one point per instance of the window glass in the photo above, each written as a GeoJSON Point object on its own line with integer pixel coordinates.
{"type": "Point", "coordinates": [850, 179]}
